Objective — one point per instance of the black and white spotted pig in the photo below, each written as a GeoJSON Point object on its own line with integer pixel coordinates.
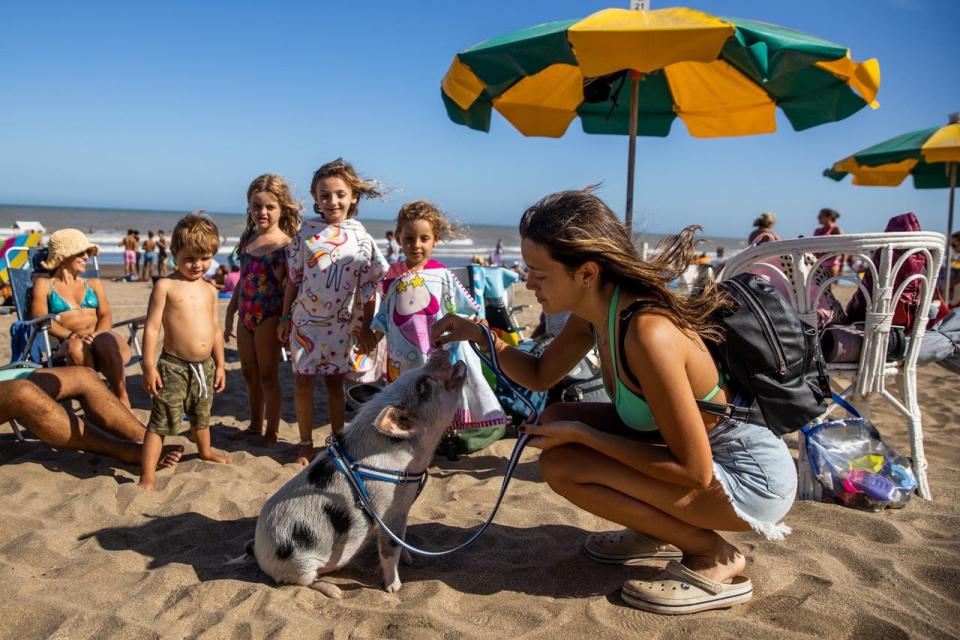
{"type": "Point", "coordinates": [311, 526]}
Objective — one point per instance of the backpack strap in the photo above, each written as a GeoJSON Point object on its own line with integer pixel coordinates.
{"type": "Point", "coordinates": [714, 408]}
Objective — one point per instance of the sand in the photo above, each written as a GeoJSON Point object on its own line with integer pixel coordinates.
{"type": "Point", "coordinates": [85, 554]}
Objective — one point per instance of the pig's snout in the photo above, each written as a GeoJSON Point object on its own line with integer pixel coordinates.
{"type": "Point", "coordinates": [439, 363]}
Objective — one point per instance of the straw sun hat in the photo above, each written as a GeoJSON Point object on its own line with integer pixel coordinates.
{"type": "Point", "coordinates": [65, 243]}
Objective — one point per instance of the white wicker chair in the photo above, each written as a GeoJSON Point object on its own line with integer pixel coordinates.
{"type": "Point", "coordinates": [868, 376]}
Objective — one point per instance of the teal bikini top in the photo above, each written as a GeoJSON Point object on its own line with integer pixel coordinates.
{"type": "Point", "coordinates": [632, 409]}
{"type": "Point", "coordinates": [56, 303]}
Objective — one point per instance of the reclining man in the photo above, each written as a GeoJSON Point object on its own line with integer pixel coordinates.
{"type": "Point", "coordinates": [32, 396]}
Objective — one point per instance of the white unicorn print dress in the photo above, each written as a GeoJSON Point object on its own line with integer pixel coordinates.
{"type": "Point", "coordinates": [338, 268]}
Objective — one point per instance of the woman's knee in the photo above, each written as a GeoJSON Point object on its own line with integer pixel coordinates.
{"type": "Point", "coordinates": [75, 352]}
{"type": "Point", "coordinates": [558, 465]}
{"type": "Point", "coordinates": [108, 343]}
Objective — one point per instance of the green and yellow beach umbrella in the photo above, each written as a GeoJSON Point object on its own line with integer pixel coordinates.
{"type": "Point", "coordinates": [630, 72]}
{"type": "Point", "coordinates": [929, 155]}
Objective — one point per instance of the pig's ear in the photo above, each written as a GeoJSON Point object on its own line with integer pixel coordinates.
{"type": "Point", "coordinates": [393, 422]}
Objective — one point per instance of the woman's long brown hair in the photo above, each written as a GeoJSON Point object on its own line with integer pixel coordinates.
{"type": "Point", "coordinates": [578, 227]}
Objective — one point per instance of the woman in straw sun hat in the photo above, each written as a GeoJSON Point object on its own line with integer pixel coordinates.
{"type": "Point", "coordinates": [85, 320]}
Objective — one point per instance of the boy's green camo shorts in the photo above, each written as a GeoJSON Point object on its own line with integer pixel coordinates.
{"type": "Point", "coordinates": [187, 390]}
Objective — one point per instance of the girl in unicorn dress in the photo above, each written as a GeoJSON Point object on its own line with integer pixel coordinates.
{"type": "Point", "coordinates": [334, 269]}
{"type": "Point", "coordinates": [417, 292]}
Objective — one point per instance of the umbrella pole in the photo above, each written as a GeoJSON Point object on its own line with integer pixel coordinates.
{"type": "Point", "coordinates": [632, 152]}
{"type": "Point", "coordinates": [948, 281]}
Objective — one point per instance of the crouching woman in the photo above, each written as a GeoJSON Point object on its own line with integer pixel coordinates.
{"type": "Point", "coordinates": [649, 460]}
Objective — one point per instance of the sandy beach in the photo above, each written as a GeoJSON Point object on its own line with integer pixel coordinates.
{"type": "Point", "coordinates": [85, 554]}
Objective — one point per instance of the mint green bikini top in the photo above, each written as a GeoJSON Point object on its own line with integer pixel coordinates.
{"type": "Point", "coordinates": [56, 303]}
{"type": "Point", "coordinates": [632, 409]}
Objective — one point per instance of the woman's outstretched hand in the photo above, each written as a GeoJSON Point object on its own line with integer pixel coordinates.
{"type": "Point", "coordinates": [454, 328]}
{"type": "Point", "coordinates": [553, 434]}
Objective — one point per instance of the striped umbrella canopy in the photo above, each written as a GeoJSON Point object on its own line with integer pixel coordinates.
{"type": "Point", "coordinates": [634, 72]}
{"type": "Point", "coordinates": [929, 155]}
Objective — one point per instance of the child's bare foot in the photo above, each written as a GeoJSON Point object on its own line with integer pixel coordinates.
{"type": "Point", "coordinates": [240, 434]}
{"type": "Point", "coordinates": [305, 454]}
{"type": "Point", "coordinates": [269, 438]}
{"type": "Point", "coordinates": [170, 456]}
{"type": "Point", "coordinates": [147, 484]}
{"type": "Point", "coordinates": [213, 456]}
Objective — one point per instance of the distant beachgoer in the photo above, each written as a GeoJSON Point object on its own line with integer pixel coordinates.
{"type": "Point", "coordinates": [219, 277]}
{"type": "Point", "coordinates": [334, 268]}
{"type": "Point", "coordinates": [230, 282]}
{"type": "Point", "coordinates": [84, 327]}
{"type": "Point", "coordinates": [764, 229]}
{"type": "Point", "coordinates": [190, 369]}
{"type": "Point", "coordinates": [35, 398]}
{"type": "Point", "coordinates": [393, 249]}
{"type": "Point", "coordinates": [497, 258]}
{"type": "Point", "coordinates": [273, 218]}
{"type": "Point", "coordinates": [149, 257]}
{"type": "Point", "coordinates": [705, 274]}
{"type": "Point", "coordinates": [719, 260]}
{"type": "Point", "coordinates": [137, 253]}
{"type": "Point", "coordinates": [129, 244]}
{"type": "Point", "coordinates": [162, 255]}
{"type": "Point", "coordinates": [954, 267]}
{"type": "Point", "coordinates": [828, 227]}
{"type": "Point", "coordinates": [520, 270]}
{"type": "Point", "coordinates": [650, 461]}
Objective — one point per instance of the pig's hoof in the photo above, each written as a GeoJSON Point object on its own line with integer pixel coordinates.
{"type": "Point", "coordinates": [393, 587]}
{"type": "Point", "coordinates": [328, 589]}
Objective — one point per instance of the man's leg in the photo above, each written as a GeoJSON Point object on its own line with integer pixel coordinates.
{"type": "Point", "coordinates": [99, 405]}
{"type": "Point", "coordinates": [54, 425]}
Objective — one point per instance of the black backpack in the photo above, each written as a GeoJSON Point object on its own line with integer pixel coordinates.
{"type": "Point", "coordinates": [771, 356]}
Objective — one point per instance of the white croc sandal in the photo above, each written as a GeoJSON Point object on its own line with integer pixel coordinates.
{"type": "Point", "coordinates": [617, 547]}
{"type": "Point", "coordinates": [680, 590]}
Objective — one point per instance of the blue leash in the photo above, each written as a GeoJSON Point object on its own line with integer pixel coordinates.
{"type": "Point", "coordinates": [355, 472]}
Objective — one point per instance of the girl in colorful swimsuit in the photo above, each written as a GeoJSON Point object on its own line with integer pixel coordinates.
{"type": "Point", "coordinates": [418, 291]}
{"type": "Point", "coordinates": [273, 218]}
{"type": "Point", "coordinates": [335, 269]}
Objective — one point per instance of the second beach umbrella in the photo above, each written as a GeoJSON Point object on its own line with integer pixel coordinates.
{"type": "Point", "coordinates": [929, 155]}
{"type": "Point", "coordinates": [633, 72]}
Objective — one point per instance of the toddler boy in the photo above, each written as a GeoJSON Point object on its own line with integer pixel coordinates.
{"type": "Point", "coordinates": [191, 366]}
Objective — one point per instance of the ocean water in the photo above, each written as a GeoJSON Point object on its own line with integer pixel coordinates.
{"type": "Point", "coordinates": [106, 227]}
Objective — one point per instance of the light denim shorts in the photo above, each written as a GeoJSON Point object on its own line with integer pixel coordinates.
{"type": "Point", "coordinates": [756, 471]}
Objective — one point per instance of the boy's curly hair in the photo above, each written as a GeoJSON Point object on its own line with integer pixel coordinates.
{"type": "Point", "coordinates": [195, 232]}
{"type": "Point", "coordinates": [344, 170]}
{"type": "Point", "coordinates": [425, 210]}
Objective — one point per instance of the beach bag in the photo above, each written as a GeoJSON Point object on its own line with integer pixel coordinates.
{"type": "Point", "coordinates": [855, 466]}
{"type": "Point", "coordinates": [771, 357]}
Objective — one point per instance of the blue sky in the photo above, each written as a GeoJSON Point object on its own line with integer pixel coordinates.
{"type": "Point", "coordinates": [178, 105]}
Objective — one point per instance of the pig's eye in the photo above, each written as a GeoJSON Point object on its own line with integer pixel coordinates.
{"type": "Point", "coordinates": [424, 387]}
